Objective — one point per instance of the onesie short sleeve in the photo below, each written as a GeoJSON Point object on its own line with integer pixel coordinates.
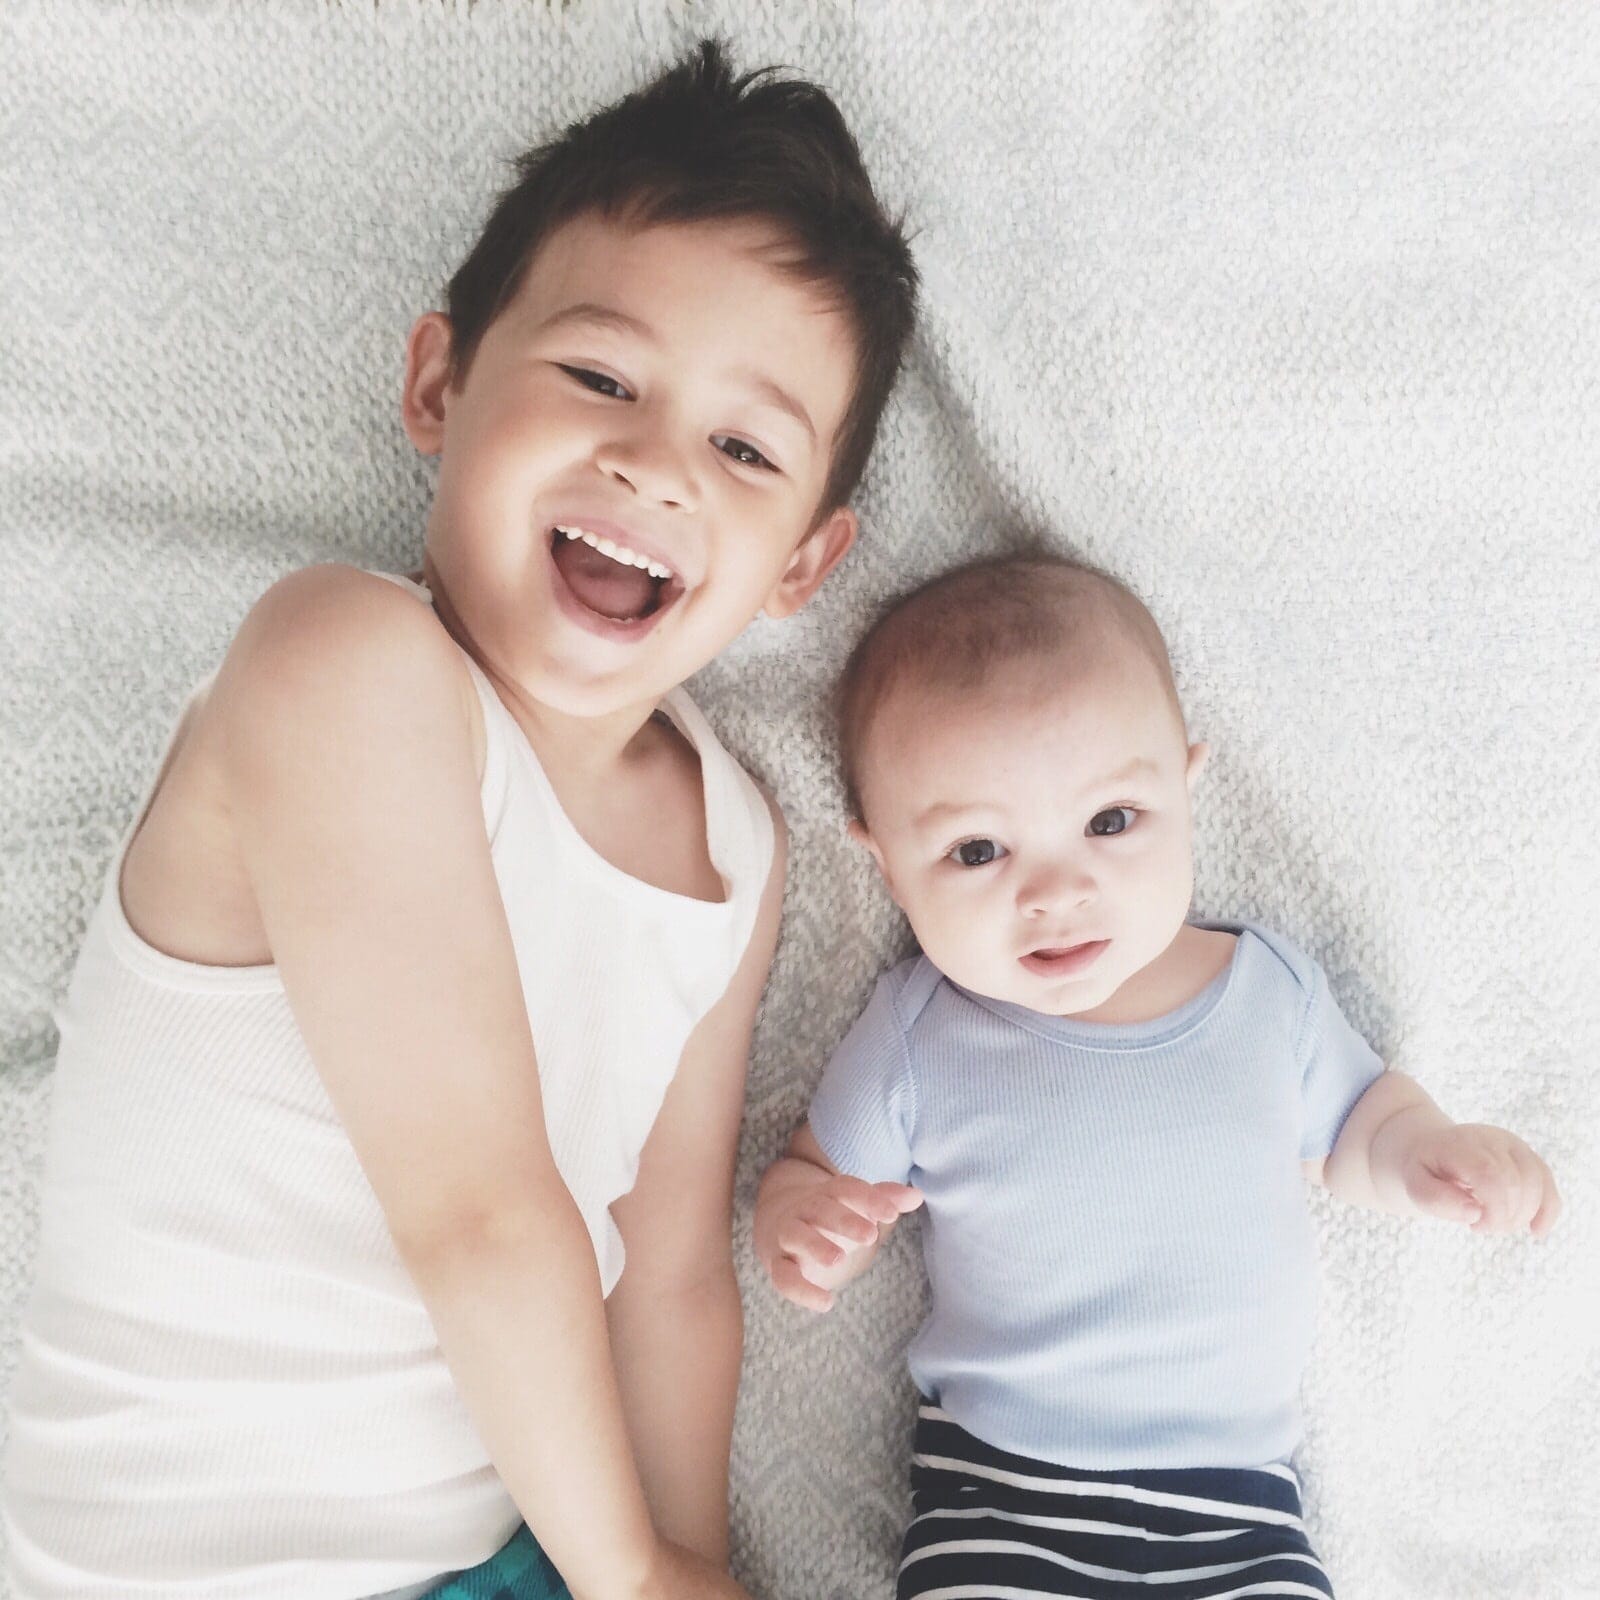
{"type": "Point", "coordinates": [1338, 1066]}
{"type": "Point", "coordinates": [864, 1109]}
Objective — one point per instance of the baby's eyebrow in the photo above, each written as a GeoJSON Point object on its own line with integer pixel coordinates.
{"type": "Point", "coordinates": [945, 810]}
{"type": "Point", "coordinates": [1139, 767]}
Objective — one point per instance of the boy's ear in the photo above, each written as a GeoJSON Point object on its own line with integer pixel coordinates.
{"type": "Point", "coordinates": [1199, 754]}
{"type": "Point", "coordinates": [820, 552]}
{"type": "Point", "coordinates": [422, 400]}
{"type": "Point", "coordinates": [858, 832]}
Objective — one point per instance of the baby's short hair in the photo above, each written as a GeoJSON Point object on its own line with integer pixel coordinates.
{"type": "Point", "coordinates": [699, 144]}
{"type": "Point", "coordinates": [957, 629]}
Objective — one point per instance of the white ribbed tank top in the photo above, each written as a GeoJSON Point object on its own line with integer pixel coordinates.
{"type": "Point", "coordinates": [228, 1386]}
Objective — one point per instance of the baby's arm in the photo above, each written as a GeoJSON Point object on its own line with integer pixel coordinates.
{"type": "Point", "coordinates": [815, 1228]}
{"type": "Point", "coordinates": [1398, 1152]}
{"type": "Point", "coordinates": [343, 718]}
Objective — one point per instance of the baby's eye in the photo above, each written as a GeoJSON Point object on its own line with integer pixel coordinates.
{"type": "Point", "coordinates": [597, 381]}
{"type": "Point", "coordinates": [1115, 819]}
{"type": "Point", "coordinates": [745, 454]}
{"type": "Point", "coordinates": [976, 852]}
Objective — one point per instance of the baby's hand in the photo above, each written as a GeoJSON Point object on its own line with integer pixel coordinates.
{"type": "Point", "coordinates": [1482, 1176]}
{"type": "Point", "coordinates": [820, 1233]}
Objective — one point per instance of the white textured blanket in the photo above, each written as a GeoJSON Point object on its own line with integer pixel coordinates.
{"type": "Point", "coordinates": [1287, 314]}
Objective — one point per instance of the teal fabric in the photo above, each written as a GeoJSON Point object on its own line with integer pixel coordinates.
{"type": "Point", "coordinates": [518, 1570]}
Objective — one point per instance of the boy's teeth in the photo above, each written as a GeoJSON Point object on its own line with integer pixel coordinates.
{"type": "Point", "coordinates": [617, 552]}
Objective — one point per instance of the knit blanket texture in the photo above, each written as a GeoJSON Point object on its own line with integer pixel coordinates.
{"type": "Point", "coordinates": [1288, 314]}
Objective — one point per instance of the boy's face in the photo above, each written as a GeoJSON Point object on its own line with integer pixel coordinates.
{"type": "Point", "coordinates": [667, 389]}
{"type": "Point", "coordinates": [1036, 832]}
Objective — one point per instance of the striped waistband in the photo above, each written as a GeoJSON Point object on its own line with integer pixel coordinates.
{"type": "Point", "coordinates": [992, 1525]}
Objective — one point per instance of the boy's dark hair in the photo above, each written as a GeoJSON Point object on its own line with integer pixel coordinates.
{"type": "Point", "coordinates": [698, 144]}
{"type": "Point", "coordinates": [957, 629]}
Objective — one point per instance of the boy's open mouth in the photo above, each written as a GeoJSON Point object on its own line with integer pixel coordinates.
{"type": "Point", "coordinates": [620, 585]}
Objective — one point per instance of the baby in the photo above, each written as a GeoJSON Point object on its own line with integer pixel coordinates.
{"type": "Point", "coordinates": [1108, 1110]}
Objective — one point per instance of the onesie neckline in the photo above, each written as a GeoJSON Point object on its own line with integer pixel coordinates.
{"type": "Point", "coordinates": [1150, 1034]}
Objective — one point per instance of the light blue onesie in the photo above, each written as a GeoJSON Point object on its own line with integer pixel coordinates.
{"type": "Point", "coordinates": [1115, 1228]}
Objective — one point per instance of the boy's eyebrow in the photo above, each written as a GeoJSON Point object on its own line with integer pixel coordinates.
{"type": "Point", "coordinates": [594, 315]}
{"type": "Point", "coordinates": [598, 316]}
{"type": "Point", "coordinates": [769, 391]}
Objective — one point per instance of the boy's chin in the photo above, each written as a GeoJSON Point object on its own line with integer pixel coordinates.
{"type": "Point", "coordinates": [576, 689]}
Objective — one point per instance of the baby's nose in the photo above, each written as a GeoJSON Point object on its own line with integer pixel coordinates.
{"type": "Point", "coordinates": [1056, 887]}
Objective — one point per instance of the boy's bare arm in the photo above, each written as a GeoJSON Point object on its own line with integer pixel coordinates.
{"type": "Point", "coordinates": [1399, 1153]}
{"type": "Point", "coordinates": [817, 1229]}
{"type": "Point", "coordinates": [677, 1326]}
{"type": "Point", "coordinates": [343, 723]}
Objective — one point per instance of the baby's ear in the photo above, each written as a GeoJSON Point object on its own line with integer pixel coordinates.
{"type": "Point", "coordinates": [1199, 754]}
{"type": "Point", "coordinates": [818, 554]}
{"type": "Point", "coordinates": [858, 832]}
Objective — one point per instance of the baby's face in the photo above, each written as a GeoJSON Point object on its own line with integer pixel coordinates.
{"type": "Point", "coordinates": [1036, 832]}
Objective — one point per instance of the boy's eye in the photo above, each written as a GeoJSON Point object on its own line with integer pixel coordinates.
{"type": "Point", "coordinates": [597, 381]}
{"type": "Point", "coordinates": [745, 454]}
{"type": "Point", "coordinates": [1115, 819]}
{"type": "Point", "coordinates": [976, 852]}
{"type": "Point", "coordinates": [741, 452]}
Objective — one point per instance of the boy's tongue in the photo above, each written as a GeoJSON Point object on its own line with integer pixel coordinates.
{"type": "Point", "coordinates": [615, 591]}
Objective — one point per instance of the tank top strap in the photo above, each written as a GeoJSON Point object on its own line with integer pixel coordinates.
{"type": "Point", "coordinates": [496, 763]}
{"type": "Point", "coordinates": [420, 590]}
{"type": "Point", "coordinates": [740, 833]}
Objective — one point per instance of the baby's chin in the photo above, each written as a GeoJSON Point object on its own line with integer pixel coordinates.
{"type": "Point", "coordinates": [1050, 997]}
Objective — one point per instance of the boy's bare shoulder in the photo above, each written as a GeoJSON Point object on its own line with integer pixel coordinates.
{"type": "Point", "coordinates": [343, 617]}
{"type": "Point", "coordinates": [330, 649]}
{"type": "Point", "coordinates": [332, 643]}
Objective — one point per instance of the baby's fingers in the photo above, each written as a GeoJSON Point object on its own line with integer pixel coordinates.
{"type": "Point", "coordinates": [793, 1285]}
{"type": "Point", "coordinates": [806, 1243]}
{"type": "Point", "coordinates": [821, 1210]}
{"type": "Point", "coordinates": [1439, 1197]}
{"type": "Point", "coordinates": [877, 1202]}
{"type": "Point", "coordinates": [1548, 1214]}
{"type": "Point", "coordinates": [1522, 1188]}
{"type": "Point", "coordinates": [1497, 1182]}
{"type": "Point", "coordinates": [899, 1195]}
{"type": "Point", "coordinates": [1546, 1199]}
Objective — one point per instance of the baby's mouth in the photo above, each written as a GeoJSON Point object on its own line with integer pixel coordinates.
{"type": "Point", "coordinates": [1061, 960]}
{"type": "Point", "coordinates": [607, 579]}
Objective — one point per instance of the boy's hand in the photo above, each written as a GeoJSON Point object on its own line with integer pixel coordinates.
{"type": "Point", "coordinates": [1482, 1176]}
{"type": "Point", "coordinates": [681, 1574]}
{"type": "Point", "coordinates": [818, 1232]}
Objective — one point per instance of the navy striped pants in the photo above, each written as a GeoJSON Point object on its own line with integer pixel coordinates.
{"type": "Point", "coordinates": [989, 1525]}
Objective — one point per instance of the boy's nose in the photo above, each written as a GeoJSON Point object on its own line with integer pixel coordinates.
{"type": "Point", "coordinates": [652, 468]}
{"type": "Point", "coordinates": [1056, 888]}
